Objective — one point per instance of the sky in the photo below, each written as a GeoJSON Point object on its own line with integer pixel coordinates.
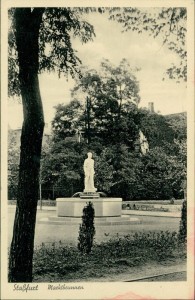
{"type": "Point", "coordinates": [141, 51]}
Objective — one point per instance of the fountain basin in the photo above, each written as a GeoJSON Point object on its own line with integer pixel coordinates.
{"type": "Point", "coordinates": [104, 207]}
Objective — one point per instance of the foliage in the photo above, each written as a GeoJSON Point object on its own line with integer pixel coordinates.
{"type": "Point", "coordinates": [156, 128]}
{"type": "Point", "coordinates": [183, 222]}
{"type": "Point", "coordinates": [13, 164]}
{"type": "Point", "coordinates": [111, 97]}
{"type": "Point", "coordinates": [178, 123]}
{"type": "Point", "coordinates": [62, 167]}
{"type": "Point", "coordinates": [68, 119]}
{"type": "Point", "coordinates": [123, 169]}
{"type": "Point", "coordinates": [104, 170]}
{"type": "Point", "coordinates": [155, 175]}
{"type": "Point", "coordinates": [160, 243]}
{"type": "Point", "coordinates": [58, 26]}
{"type": "Point", "coordinates": [168, 24]}
{"type": "Point", "coordinates": [109, 81]}
{"type": "Point", "coordinates": [87, 229]}
{"type": "Point", "coordinates": [162, 175]}
{"type": "Point", "coordinates": [59, 262]}
{"type": "Point", "coordinates": [118, 171]}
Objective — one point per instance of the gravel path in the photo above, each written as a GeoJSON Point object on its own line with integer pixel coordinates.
{"type": "Point", "coordinates": [152, 271]}
{"type": "Point", "coordinates": [48, 233]}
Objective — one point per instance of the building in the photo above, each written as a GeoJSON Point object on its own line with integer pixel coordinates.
{"type": "Point", "coordinates": [151, 107]}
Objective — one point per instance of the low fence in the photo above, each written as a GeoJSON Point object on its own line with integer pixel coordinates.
{"type": "Point", "coordinates": [43, 202]}
{"type": "Point", "coordinates": [153, 205]}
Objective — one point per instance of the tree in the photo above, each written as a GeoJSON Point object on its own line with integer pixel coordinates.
{"type": "Point", "coordinates": [156, 128]}
{"type": "Point", "coordinates": [168, 24]}
{"type": "Point", "coordinates": [183, 222]}
{"type": "Point", "coordinates": [162, 175]}
{"type": "Point", "coordinates": [68, 120]}
{"type": "Point", "coordinates": [178, 123]}
{"type": "Point", "coordinates": [112, 95]}
{"type": "Point", "coordinates": [104, 170]}
{"type": "Point", "coordinates": [87, 229]}
{"type": "Point", "coordinates": [63, 167]}
{"type": "Point", "coordinates": [126, 176]}
{"type": "Point", "coordinates": [41, 29]}
{"type": "Point", "coordinates": [27, 28]}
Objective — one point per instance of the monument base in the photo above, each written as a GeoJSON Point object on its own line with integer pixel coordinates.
{"type": "Point", "coordinates": [104, 207]}
{"type": "Point", "coordinates": [102, 221]}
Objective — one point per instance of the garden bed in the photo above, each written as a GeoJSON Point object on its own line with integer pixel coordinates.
{"type": "Point", "coordinates": [57, 262]}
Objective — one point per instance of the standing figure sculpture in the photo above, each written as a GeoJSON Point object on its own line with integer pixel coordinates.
{"type": "Point", "coordinates": [89, 174]}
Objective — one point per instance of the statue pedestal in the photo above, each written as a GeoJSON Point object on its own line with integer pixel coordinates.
{"type": "Point", "coordinates": [89, 195]}
{"type": "Point", "coordinates": [104, 207]}
{"type": "Point", "coordinates": [90, 190]}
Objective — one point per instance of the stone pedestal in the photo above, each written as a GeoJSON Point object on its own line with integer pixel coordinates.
{"type": "Point", "coordinates": [104, 207]}
{"type": "Point", "coordinates": [94, 190]}
{"type": "Point", "coordinates": [89, 195]}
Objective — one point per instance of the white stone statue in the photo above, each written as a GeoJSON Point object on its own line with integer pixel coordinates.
{"type": "Point", "coordinates": [89, 174]}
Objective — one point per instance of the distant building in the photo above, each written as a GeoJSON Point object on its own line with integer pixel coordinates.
{"type": "Point", "coordinates": [151, 107]}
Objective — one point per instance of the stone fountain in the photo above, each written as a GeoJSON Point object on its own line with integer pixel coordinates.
{"type": "Point", "coordinates": [108, 210]}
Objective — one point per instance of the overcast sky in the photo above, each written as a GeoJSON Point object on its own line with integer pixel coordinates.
{"type": "Point", "coordinates": [140, 50]}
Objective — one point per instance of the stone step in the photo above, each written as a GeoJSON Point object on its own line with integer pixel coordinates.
{"type": "Point", "coordinates": [98, 221]}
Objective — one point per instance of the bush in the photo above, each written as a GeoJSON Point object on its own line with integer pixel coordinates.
{"type": "Point", "coordinates": [87, 229]}
{"type": "Point", "coordinates": [157, 245]}
{"type": "Point", "coordinates": [183, 223]}
{"type": "Point", "coordinates": [61, 262]}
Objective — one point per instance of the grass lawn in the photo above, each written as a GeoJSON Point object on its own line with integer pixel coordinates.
{"type": "Point", "coordinates": [59, 262]}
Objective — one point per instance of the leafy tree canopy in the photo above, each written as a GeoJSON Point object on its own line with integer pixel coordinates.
{"type": "Point", "coordinates": [60, 24]}
{"type": "Point", "coordinates": [168, 24]}
{"type": "Point", "coordinates": [109, 81]}
{"type": "Point", "coordinates": [55, 48]}
{"type": "Point", "coordinates": [111, 95]}
{"type": "Point", "coordinates": [68, 119]}
{"type": "Point", "coordinates": [156, 128]}
{"type": "Point", "coordinates": [178, 123]}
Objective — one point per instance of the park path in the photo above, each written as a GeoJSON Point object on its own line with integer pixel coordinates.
{"type": "Point", "coordinates": [68, 234]}
{"type": "Point", "coordinates": [152, 271]}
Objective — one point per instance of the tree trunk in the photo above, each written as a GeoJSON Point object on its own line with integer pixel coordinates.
{"type": "Point", "coordinates": [88, 120]}
{"type": "Point", "coordinates": [27, 22]}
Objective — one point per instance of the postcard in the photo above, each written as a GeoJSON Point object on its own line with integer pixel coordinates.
{"type": "Point", "coordinates": [97, 149]}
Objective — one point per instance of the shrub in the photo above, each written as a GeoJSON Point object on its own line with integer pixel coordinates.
{"type": "Point", "coordinates": [183, 222]}
{"type": "Point", "coordinates": [87, 229]}
{"type": "Point", "coordinates": [61, 262]}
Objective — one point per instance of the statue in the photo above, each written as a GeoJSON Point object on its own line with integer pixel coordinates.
{"type": "Point", "coordinates": [89, 174]}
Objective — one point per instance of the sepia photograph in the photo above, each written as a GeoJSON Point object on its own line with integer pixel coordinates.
{"type": "Point", "coordinates": [97, 135]}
